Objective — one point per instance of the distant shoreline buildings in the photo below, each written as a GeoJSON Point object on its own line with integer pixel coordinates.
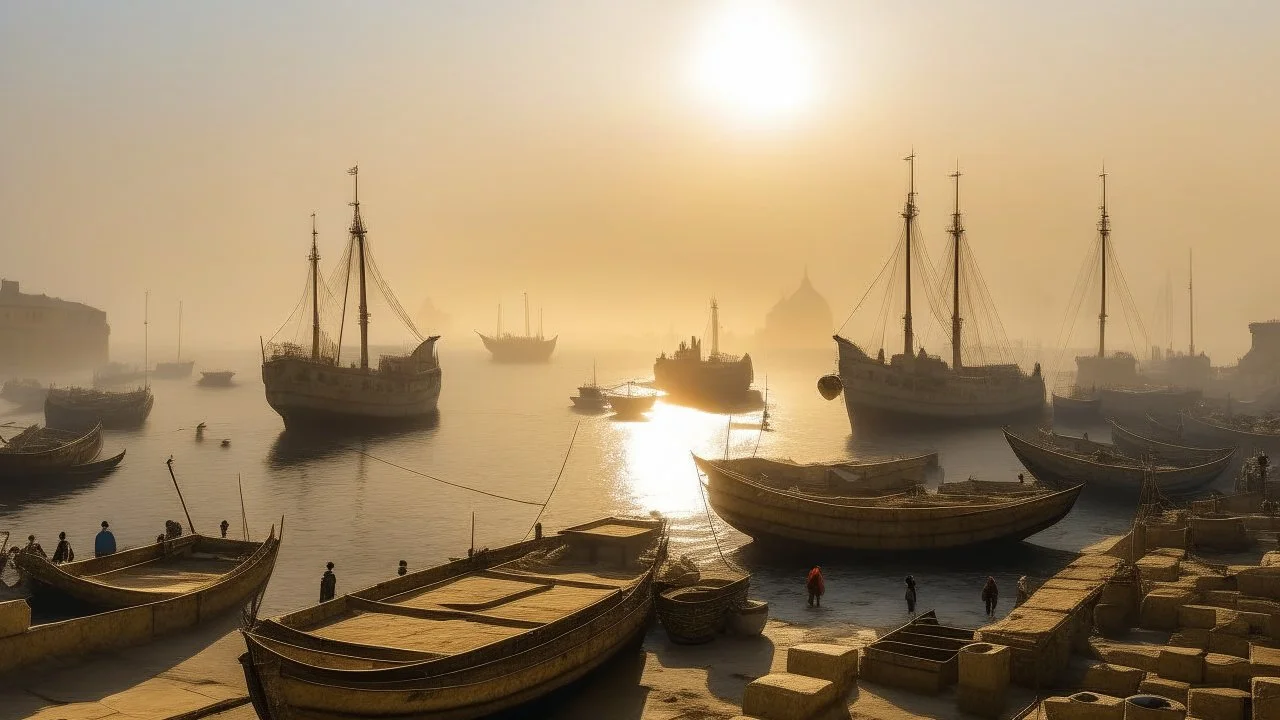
{"type": "Point", "coordinates": [48, 334]}
{"type": "Point", "coordinates": [801, 320]}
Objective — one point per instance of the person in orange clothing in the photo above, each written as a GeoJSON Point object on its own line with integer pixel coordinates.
{"type": "Point", "coordinates": [816, 587]}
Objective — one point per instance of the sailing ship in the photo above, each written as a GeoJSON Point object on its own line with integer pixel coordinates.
{"type": "Point", "coordinates": [177, 368]}
{"type": "Point", "coordinates": [464, 640]}
{"type": "Point", "coordinates": [310, 388]}
{"type": "Point", "coordinates": [1184, 369]}
{"type": "Point", "coordinates": [590, 396]}
{"type": "Point", "coordinates": [810, 508]}
{"type": "Point", "coordinates": [915, 385]}
{"type": "Point", "coordinates": [527, 348]}
{"type": "Point", "coordinates": [719, 380]}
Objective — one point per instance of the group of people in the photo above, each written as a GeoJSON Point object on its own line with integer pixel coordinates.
{"type": "Point", "coordinates": [104, 543]}
{"type": "Point", "coordinates": [816, 587]}
{"type": "Point", "coordinates": [329, 581]}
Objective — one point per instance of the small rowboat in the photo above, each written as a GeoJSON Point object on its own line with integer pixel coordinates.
{"type": "Point", "coordinates": [98, 467]}
{"type": "Point", "coordinates": [73, 408]}
{"type": "Point", "coordinates": [216, 378]}
{"type": "Point", "coordinates": [1077, 460]}
{"type": "Point", "coordinates": [695, 615]}
{"type": "Point", "coordinates": [215, 571]}
{"type": "Point", "coordinates": [1137, 445]}
{"type": "Point", "coordinates": [463, 640]}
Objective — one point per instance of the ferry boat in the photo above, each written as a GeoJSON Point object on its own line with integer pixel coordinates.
{"type": "Point", "coordinates": [718, 379]}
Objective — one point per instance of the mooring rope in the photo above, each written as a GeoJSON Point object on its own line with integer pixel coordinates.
{"type": "Point", "coordinates": [446, 482]}
{"type": "Point", "coordinates": [697, 474]}
{"type": "Point", "coordinates": [557, 482]}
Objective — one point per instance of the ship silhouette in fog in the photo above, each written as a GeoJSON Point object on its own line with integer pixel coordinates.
{"type": "Point", "coordinates": [527, 348]}
{"type": "Point", "coordinates": [716, 381]}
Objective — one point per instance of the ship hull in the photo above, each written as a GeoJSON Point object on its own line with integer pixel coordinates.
{"type": "Point", "coordinates": [710, 382]}
{"type": "Point", "coordinates": [306, 393]}
{"type": "Point", "coordinates": [519, 349]}
{"type": "Point", "coordinates": [873, 388]}
{"type": "Point", "coordinates": [174, 370]}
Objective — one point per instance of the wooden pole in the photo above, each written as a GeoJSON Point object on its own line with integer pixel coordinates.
{"type": "Point", "coordinates": [190, 525]}
{"type": "Point", "coordinates": [244, 517]}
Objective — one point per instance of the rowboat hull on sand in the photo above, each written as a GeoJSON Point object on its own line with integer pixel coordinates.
{"type": "Point", "coordinates": [898, 523]}
{"type": "Point", "coordinates": [462, 640]}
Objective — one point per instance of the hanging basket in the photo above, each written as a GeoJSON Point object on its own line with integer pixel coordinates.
{"type": "Point", "coordinates": [830, 387]}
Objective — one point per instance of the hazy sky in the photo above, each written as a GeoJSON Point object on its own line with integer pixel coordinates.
{"type": "Point", "coordinates": [625, 161]}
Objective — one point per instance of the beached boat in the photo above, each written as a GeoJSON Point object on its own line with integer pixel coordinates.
{"type": "Point", "coordinates": [213, 571]}
{"type": "Point", "coordinates": [26, 394]}
{"type": "Point", "coordinates": [1076, 405]}
{"type": "Point", "coordinates": [1170, 432]}
{"type": "Point", "coordinates": [1137, 445]}
{"type": "Point", "coordinates": [847, 479]}
{"type": "Point", "coordinates": [773, 511]}
{"type": "Point", "coordinates": [1248, 431]}
{"type": "Point", "coordinates": [1140, 402]}
{"type": "Point", "coordinates": [696, 614]}
{"type": "Point", "coordinates": [216, 378]}
{"type": "Point", "coordinates": [161, 614]}
{"type": "Point", "coordinates": [74, 408]}
{"type": "Point", "coordinates": [42, 451]}
{"type": "Point", "coordinates": [1079, 460]}
{"type": "Point", "coordinates": [914, 385]}
{"type": "Point", "coordinates": [466, 639]}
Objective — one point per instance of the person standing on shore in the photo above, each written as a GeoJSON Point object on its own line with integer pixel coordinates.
{"type": "Point", "coordinates": [815, 585]}
{"type": "Point", "coordinates": [990, 594]}
{"type": "Point", "coordinates": [1024, 591]}
{"type": "Point", "coordinates": [328, 584]}
{"type": "Point", "coordinates": [223, 527]}
{"type": "Point", "coordinates": [404, 568]}
{"type": "Point", "coordinates": [63, 553]}
{"type": "Point", "coordinates": [911, 595]}
{"type": "Point", "coordinates": [105, 542]}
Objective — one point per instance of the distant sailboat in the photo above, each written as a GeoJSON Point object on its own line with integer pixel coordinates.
{"type": "Point", "coordinates": [177, 368]}
{"type": "Point", "coordinates": [313, 388]}
{"type": "Point", "coordinates": [527, 348]}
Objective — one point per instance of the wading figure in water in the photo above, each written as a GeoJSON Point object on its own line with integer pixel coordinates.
{"type": "Point", "coordinates": [223, 527]}
{"type": "Point", "coordinates": [328, 583]}
{"type": "Point", "coordinates": [911, 596]}
{"type": "Point", "coordinates": [990, 594]}
{"type": "Point", "coordinates": [815, 586]}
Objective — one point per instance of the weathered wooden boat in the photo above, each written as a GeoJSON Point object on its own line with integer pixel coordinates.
{"type": "Point", "coordinates": [97, 467]}
{"type": "Point", "coordinates": [868, 478]}
{"type": "Point", "coordinates": [1166, 431]}
{"type": "Point", "coordinates": [1078, 460]}
{"type": "Point", "coordinates": [1076, 406]}
{"type": "Point", "coordinates": [1137, 445]}
{"type": "Point", "coordinates": [25, 394]}
{"type": "Point", "coordinates": [749, 619]}
{"type": "Point", "coordinates": [1237, 430]}
{"type": "Point", "coordinates": [465, 639]}
{"type": "Point", "coordinates": [1140, 402]}
{"type": "Point", "coordinates": [43, 451]}
{"type": "Point", "coordinates": [632, 404]}
{"type": "Point", "coordinates": [74, 408]}
{"type": "Point", "coordinates": [512, 348]}
{"type": "Point", "coordinates": [590, 395]}
{"type": "Point", "coordinates": [696, 614]}
{"type": "Point", "coordinates": [213, 572]}
{"type": "Point", "coordinates": [773, 510]}
{"type": "Point", "coordinates": [161, 614]}
{"type": "Point", "coordinates": [216, 378]}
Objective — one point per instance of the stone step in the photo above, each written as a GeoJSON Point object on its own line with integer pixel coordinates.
{"type": "Point", "coordinates": [835, 663]}
{"type": "Point", "coordinates": [786, 696]}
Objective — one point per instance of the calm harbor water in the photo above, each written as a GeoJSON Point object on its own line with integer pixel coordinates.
{"type": "Point", "coordinates": [361, 502]}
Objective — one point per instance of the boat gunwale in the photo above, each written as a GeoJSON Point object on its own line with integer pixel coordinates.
{"type": "Point", "coordinates": [1234, 433]}
{"type": "Point", "coordinates": [1139, 439]}
{"type": "Point", "coordinates": [1221, 461]}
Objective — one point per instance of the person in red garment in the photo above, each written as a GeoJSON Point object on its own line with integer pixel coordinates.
{"type": "Point", "coordinates": [816, 587]}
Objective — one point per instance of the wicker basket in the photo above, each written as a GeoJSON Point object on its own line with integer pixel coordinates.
{"type": "Point", "coordinates": [694, 615]}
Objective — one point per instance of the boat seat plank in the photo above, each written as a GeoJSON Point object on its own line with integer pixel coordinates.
{"type": "Point", "coordinates": [438, 613]}
{"type": "Point", "coordinates": [180, 574]}
{"type": "Point", "coordinates": [550, 579]}
{"type": "Point", "coordinates": [471, 589]}
{"type": "Point", "coordinates": [555, 603]}
{"type": "Point", "coordinates": [441, 636]}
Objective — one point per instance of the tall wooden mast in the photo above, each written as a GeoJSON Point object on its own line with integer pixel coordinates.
{"type": "Point", "coordinates": [956, 230]}
{"type": "Point", "coordinates": [314, 259]}
{"type": "Point", "coordinates": [715, 329]}
{"type": "Point", "coordinates": [526, 314]}
{"type": "Point", "coordinates": [1104, 230]}
{"type": "Point", "coordinates": [358, 234]}
{"type": "Point", "coordinates": [908, 215]}
{"type": "Point", "coordinates": [179, 358]}
{"type": "Point", "coordinates": [1191, 308]}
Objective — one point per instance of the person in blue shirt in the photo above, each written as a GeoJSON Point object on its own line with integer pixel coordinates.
{"type": "Point", "coordinates": [105, 542]}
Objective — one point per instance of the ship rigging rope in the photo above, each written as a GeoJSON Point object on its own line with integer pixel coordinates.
{"type": "Point", "coordinates": [1084, 282]}
{"type": "Point", "coordinates": [390, 297]}
{"type": "Point", "coordinates": [557, 482]}
{"type": "Point", "coordinates": [872, 286]}
{"type": "Point", "coordinates": [697, 476]}
{"type": "Point", "coordinates": [456, 485]}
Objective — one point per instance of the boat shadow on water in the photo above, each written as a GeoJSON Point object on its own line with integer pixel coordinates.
{"type": "Point", "coordinates": [293, 447]}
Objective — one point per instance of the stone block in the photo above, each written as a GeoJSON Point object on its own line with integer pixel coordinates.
{"type": "Point", "coordinates": [1153, 707]}
{"type": "Point", "coordinates": [1172, 689]}
{"type": "Point", "coordinates": [784, 696]}
{"type": "Point", "coordinates": [15, 617]}
{"type": "Point", "coordinates": [1220, 598]}
{"type": "Point", "coordinates": [1259, 623]}
{"type": "Point", "coordinates": [1206, 583]}
{"type": "Point", "coordinates": [1198, 639]}
{"type": "Point", "coordinates": [1263, 582]}
{"type": "Point", "coordinates": [1227, 671]}
{"type": "Point", "coordinates": [836, 663]}
{"type": "Point", "coordinates": [1217, 703]}
{"type": "Point", "coordinates": [983, 684]}
{"type": "Point", "coordinates": [1230, 623]}
{"type": "Point", "coordinates": [1266, 698]}
{"type": "Point", "coordinates": [1134, 655]}
{"type": "Point", "coordinates": [1083, 706]}
{"type": "Point", "coordinates": [1199, 617]}
{"type": "Point", "coordinates": [1160, 608]}
{"type": "Point", "coordinates": [1114, 680]}
{"type": "Point", "coordinates": [1228, 643]}
{"type": "Point", "coordinates": [1157, 567]}
{"type": "Point", "coordinates": [1181, 664]}
{"type": "Point", "coordinates": [1112, 621]}
{"type": "Point", "coordinates": [1265, 660]}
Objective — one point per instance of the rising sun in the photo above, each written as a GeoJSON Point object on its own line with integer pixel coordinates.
{"type": "Point", "coordinates": [752, 62]}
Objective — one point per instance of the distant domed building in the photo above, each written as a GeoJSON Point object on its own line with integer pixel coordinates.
{"type": "Point", "coordinates": [801, 320]}
{"type": "Point", "coordinates": [431, 319]}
